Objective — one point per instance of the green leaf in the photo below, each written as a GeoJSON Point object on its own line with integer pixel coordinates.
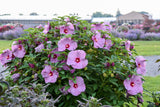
{"type": "Point", "coordinates": [84, 95]}
{"type": "Point", "coordinates": [67, 87]}
{"type": "Point", "coordinates": [158, 60]}
{"type": "Point", "coordinates": [60, 58]}
{"type": "Point", "coordinates": [27, 78]}
{"type": "Point", "coordinates": [62, 72]}
{"type": "Point", "coordinates": [68, 97]}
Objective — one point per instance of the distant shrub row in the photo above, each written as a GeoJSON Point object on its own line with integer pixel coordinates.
{"type": "Point", "coordinates": [9, 32]}
{"type": "Point", "coordinates": [136, 34]}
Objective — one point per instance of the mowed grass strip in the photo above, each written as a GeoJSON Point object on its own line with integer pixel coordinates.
{"type": "Point", "coordinates": [5, 44]}
{"type": "Point", "coordinates": [147, 48]}
{"type": "Point", "coordinates": [151, 84]}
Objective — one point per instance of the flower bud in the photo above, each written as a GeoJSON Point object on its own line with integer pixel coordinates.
{"type": "Point", "coordinates": [19, 41]}
{"type": "Point", "coordinates": [108, 64]}
{"type": "Point", "coordinates": [72, 71]}
{"type": "Point", "coordinates": [104, 75]}
{"type": "Point", "coordinates": [46, 39]}
{"type": "Point", "coordinates": [84, 28]}
{"type": "Point", "coordinates": [112, 75]}
{"type": "Point", "coordinates": [113, 64]}
{"type": "Point", "coordinates": [56, 27]}
{"type": "Point", "coordinates": [140, 100]}
{"type": "Point", "coordinates": [31, 65]}
{"type": "Point", "coordinates": [129, 76]}
{"type": "Point", "coordinates": [131, 46]}
{"type": "Point", "coordinates": [85, 68]}
{"type": "Point", "coordinates": [49, 55]}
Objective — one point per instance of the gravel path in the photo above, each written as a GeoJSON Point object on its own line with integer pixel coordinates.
{"type": "Point", "coordinates": [151, 66]}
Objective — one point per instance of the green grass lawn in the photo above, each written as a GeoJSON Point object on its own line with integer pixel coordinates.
{"type": "Point", "coordinates": [5, 44]}
{"type": "Point", "coordinates": [151, 84]}
{"type": "Point", "coordinates": [147, 48]}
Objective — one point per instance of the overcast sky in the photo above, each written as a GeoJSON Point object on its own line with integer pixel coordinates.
{"type": "Point", "coordinates": [83, 7]}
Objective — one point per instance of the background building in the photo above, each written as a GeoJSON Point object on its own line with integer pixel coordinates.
{"type": "Point", "coordinates": [132, 18]}
{"type": "Point", "coordinates": [30, 20]}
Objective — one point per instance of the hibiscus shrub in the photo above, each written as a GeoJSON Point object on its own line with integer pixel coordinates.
{"type": "Point", "coordinates": [78, 60]}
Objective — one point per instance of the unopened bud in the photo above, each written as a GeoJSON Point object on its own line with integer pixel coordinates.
{"type": "Point", "coordinates": [112, 75]}
{"type": "Point", "coordinates": [104, 75]}
{"type": "Point", "coordinates": [113, 64]}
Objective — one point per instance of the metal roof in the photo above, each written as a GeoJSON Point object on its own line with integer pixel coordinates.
{"type": "Point", "coordinates": [35, 17]}
{"type": "Point", "coordinates": [104, 19]}
{"type": "Point", "coordinates": [26, 17]}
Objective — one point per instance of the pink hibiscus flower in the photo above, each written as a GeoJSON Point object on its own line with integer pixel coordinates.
{"type": "Point", "coordinates": [108, 44]}
{"type": "Point", "coordinates": [14, 43]}
{"type": "Point", "coordinates": [98, 41]}
{"type": "Point", "coordinates": [39, 26]}
{"type": "Point", "coordinates": [69, 29]}
{"type": "Point", "coordinates": [77, 59]}
{"type": "Point", "coordinates": [18, 50]}
{"type": "Point", "coordinates": [46, 28]}
{"type": "Point", "coordinates": [141, 65]}
{"type": "Point", "coordinates": [6, 56]}
{"type": "Point", "coordinates": [97, 26]}
{"type": "Point", "coordinates": [31, 65]}
{"type": "Point", "coordinates": [133, 85]}
{"type": "Point", "coordinates": [39, 48]}
{"type": "Point", "coordinates": [54, 58]}
{"type": "Point", "coordinates": [49, 75]}
{"type": "Point", "coordinates": [66, 43]}
{"type": "Point", "coordinates": [78, 87]}
{"type": "Point", "coordinates": [67, 19]}
{"type": "Point", "coordinates": [127, 45]}
{"type": "Point", "coordinates": [107, 26]}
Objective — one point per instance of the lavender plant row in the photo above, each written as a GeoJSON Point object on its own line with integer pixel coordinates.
{"type": "Point", "coordinates": [13, 33]}
{"type": "Point", "coordinates": [136, 34]}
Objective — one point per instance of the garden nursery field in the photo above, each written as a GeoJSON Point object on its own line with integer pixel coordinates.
{"type": "Point", "coordinates": [70, 63]}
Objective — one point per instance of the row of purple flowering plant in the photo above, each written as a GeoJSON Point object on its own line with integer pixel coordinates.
{"type": "Point", "coordinates": [78, 60]}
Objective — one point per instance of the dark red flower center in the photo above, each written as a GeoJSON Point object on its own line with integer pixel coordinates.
{"type": "Point", "coordinates": [51, 73]}
{"type": "Point", "coordinates": [65, 31]}
{"type": "Point", "coordinates": [13, 56]}
{"type": "Point", "coordinates": [75, 85]}
{"type": "Point", "coordinates": [77, 60]}
{"type": "Point", "coordinates": [55, 56]}
{"type": "Point", "coordinates": [139, 65]}
{"type": "Point", "coordinates": [132, 84]}
{"type": "Point", "coordinates": [7, 57]}
{"type": "Point", "coordinates": [96, 40]}
{"type": "Point", "coordinates": [67, 45]}
{"type": "Point", "coordinates": [20, 47]}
